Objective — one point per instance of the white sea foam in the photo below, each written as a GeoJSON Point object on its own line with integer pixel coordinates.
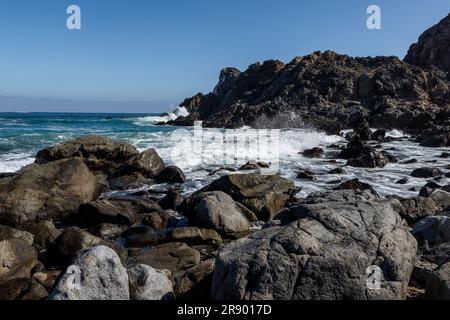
{"type": "Point", "coordinates": [149, 120]}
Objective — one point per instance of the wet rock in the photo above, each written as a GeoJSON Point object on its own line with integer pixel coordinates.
{"type": "Point", "coordinates": [410, 161]}
{"type": "Point", "coordinates": [102, 277]}
{"type": "Point", "coordinates": [438, 136]}
{"type": "Point", "coordinates": [313, 153]}
{"type": "Point", "coordinates": [254, 165]}
{"type": "Point", "coordinates": [355, 184]}
{"type": "Point", "coordinates": [147, 163]}
{"type": "Point", "coordinates": [426, 172]}
{"type": "Point", "coordinates": [306, 175]}
{"type": "Point", "coordinates": [264, 195]}
{"type": "Point", "coordinates": [107, 211]}
{"type": "Point", "coordinates": [159, 219]}
{"type": "Point", "coordinates": [143, 236]}
{"type": "Point", "coordinates": [195, 283]}
{"type": "Point", "coordinates": [17, 259]}
{"type": "Point", "coordinates": [427, 189]}
{"type": "Point", "coordinates": [371, 160]}
{"type": "Point", "coordinates": [100, 154]}
{"type": "Point", "coordinates": [217, 210]}
{"type": "Point", "coordinates": [171, 174]}
{"type": "Point", "coordinates": [444, 155]}
{"type": "Point", "coordinates": [147, 283]}
{"type": "Point", "coordinates": [323, 254]}
{"type": "Point", "coordinates": [53, 190]}
{"type": "Point", "coordinates": [173, 256]}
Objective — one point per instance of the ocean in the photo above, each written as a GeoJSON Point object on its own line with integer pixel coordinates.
{"type": "Point", "coordinates": [23, 134]}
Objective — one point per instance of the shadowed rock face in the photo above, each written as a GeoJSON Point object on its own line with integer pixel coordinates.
{"type": "Point", "coordinates": [326, 90]}
{"type": "Point", "coordinates": [433, 47]}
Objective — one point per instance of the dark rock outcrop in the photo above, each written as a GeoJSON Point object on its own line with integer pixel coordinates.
{"type": "Point", "coordinates": [433, 48]}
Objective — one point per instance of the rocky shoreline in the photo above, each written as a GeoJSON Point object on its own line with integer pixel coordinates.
{"type": "Point", "coordinates": [244, 236]}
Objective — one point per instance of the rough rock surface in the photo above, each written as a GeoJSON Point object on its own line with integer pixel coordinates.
{"type": "Point", "coordinates": [323, 254]}
{"type": "Point", "coordinates": [17, 258]}
{"type": "Point", "coordinates": [102, 278]}
{"type": "Point", "coordinates": [52, 190]}
{"type": "Point", "coordinates": [147, 283]}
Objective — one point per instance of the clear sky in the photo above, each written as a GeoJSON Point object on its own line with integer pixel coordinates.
{"type": "Point", "coordinates": [161, 51]}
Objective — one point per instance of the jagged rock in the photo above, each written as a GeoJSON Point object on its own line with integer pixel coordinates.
{"type": "Point", "coordinates": [264, 195]}
{"type": "Point", "coordinates": [254, 165]}
{"type": "Point", "coordinates": [313, 153]}
{"type": "Point", "coordinates": [426, 172]}
{"type": "Point", "coordinates": [147, 163]}
{"type": "Point", "coordinates": [102, 277]}
{"type": "Point", "coordinates": [100, 154]}
{"type": "Point", "coordinates": [355, 184]}
{"type": "Point", "coordinates": [324, 254]}
{"type": "Point", "coordinates": [22, 289]}
{"type": "Point", "coordinates": [17, 258]}
{"type": "Point", "coordinates": [147, 283]}
{"type": "Point", "coordinates": [402, 181]}
{"type": "Point", "coordinates": [53, 190]}
{"type": "Point", "coordinates": [217, 210]}
{"type": "Point", "coordinates": [171, 174]}
{"type": "Point", "coordinates": [371, 160]}
{"type": "Point", "coordinates": [432, 48]}
{"type": "Point", "coordinates": [171, 201]}
{"type": "Point", "coordinates": [107, 211]}
{"type": "Point", "coordinates": [44, 232]}
{"type": "Point", "coordinates": [337, 171]}
{"type": "Point", "coordinates": [173, 256]}
{"type": "Point", "coordinates": [441, 198]}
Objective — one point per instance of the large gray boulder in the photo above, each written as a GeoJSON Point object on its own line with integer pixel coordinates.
{"type": "Point", "coordinates": [217, 210]}
{"type": "Point", "coordinates": [53, 190]}
{"type": "Point", "coordinates": [264, 195]}
{"type": "Point", "coordinates": [102, 278]}
{"type": "Point", "coordinates": [147, 283]}
{"type": "Point", "coordinates": [323, 254]}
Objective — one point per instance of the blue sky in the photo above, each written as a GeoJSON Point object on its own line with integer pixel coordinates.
{"type": "Point", "coordinates": [161, 51]}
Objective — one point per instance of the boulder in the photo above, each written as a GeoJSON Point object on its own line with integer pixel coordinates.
{"type": "Point", "coordinates": [254, 165]}
{"type": "Point", "coordinates": [432, 231]}
{"type": "Point", "coordinates": [147, 163]}
{"type": "Point", "coordinates": [132, 181]}
{"type": "Point", "coordinates": [337, 171]}
{"type": "Point", "coordinates": [107, 211]}
{"type": "Point", "coordinates": [7, 233]}
{"type": "Point", "coordinates": [147, 283]}
{"type": "Point", "coordinates": [195, 236]}
{"type": "Point", "coordinates": [417, 208]}
{"type": "Point", "coordinates": [171, 174]}
{"type": "Point", "coordinates": [441, 198]}
{"type": "Point", "coordinates": [171, 200]}
{"type": "Point", "coordinates": [437, 136]}
{"type": "Point", "coordinates": [17, 259]}
{"type": "Point", "coordinates": [100, 154]}
{"type": "Point", "coordinates": [44, 232]}
{"type": "Point", "coordinates": [143, 236]}
{"type": "Point", "coordinates": [371, 159]}
{"type": "Point", "coordinates": [264, 195]}
{"type": "Point", "coordinates": [22, 289]}
{"type": "Point", "coordinates": [355, 184]}
{"type": "Point", "coordinates": [306, 175]}
{"type": "Point", "coordinates": [426, 172]}
{"type": "Point", "coordinates": [323, 254]}
{"type": "Point", "coordinates": [432, 48]}
{"type": "Point", "coordinates": [102, 277]}
{"type": "Point", "coordinates": [53, 190]}
{"type": "Point", "coordinates": [173, 256]}
{"type": "Point", "coordinates": [217, 210]}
